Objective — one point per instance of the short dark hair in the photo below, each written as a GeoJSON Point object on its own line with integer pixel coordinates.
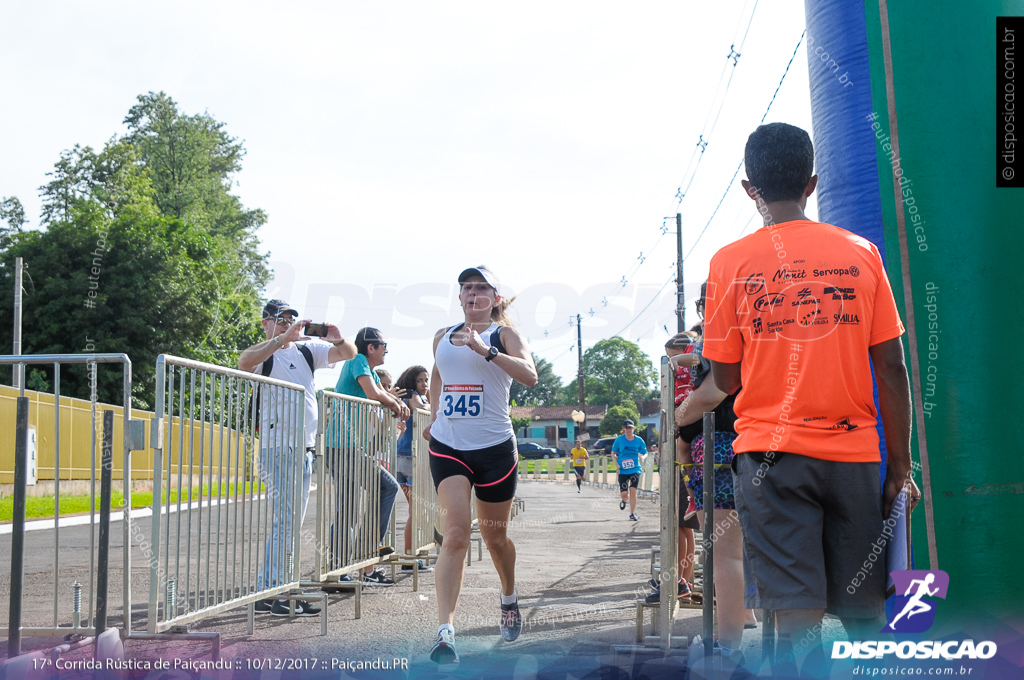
{"type": "Point", "coordinates": [780, 161]}
{"type": "Point", "coordinates": [366, 337]}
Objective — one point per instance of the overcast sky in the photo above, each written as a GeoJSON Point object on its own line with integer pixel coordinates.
{"type": "Point", "coordinates": [394, 144]}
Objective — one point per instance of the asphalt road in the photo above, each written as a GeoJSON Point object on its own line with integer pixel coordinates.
{"type": "Point", "coordinates": [580, 564]}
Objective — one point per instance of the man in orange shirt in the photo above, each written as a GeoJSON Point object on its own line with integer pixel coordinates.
{"type": "Point", "coordinates": [795, 312]}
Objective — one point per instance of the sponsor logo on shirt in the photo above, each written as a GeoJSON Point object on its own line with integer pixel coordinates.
{"type": "Point", "coordinates": [758, 325]}
{"type": "Point", "coordinates": [776, 326]}
{"type": "Point", "coordinates": [844, 424]}
{"type": "Point", "coordinates": [754, 283]}
{"type": "Point", "coordinates": [840, 271]}
{"type": "Point", "coordinates": [768, 301]}
{"type": "Point", "coordinates": [805, 298]}
{"type": "Point", "coordinates": [840, 293]}
{"type": "Point", "coordinates": [786, 274]}
{"type": "Point", "coordinates": [846, 319]}
{"type": "Point", "coordinates": [813, 318]}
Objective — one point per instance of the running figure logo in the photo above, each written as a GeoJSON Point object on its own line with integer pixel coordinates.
{"type": "Point", "coordinates": [910, 612]}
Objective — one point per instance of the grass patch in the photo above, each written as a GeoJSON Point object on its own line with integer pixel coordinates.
{"type": "Point", "coordinates": [526, 467]}
{"type": "Point", "coordinates": [37, 507]}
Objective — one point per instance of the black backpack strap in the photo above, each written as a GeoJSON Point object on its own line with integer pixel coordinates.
{"type": "Point", "coordinates": [308, 355]}
{"type": "Point", "coordinates": [268, 365]}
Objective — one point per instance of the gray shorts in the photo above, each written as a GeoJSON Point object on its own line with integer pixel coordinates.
{"type": "Point", "coordinates": [403, 470]}
{"type": "Point", "coordinates": [812, 534]}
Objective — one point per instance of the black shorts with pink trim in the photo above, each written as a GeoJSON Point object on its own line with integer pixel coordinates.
{"type": "Point", "coordinates": [493, 471]}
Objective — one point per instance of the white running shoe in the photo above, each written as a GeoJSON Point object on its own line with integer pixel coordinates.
{"type": "Point", "coordinates": [444, 648]}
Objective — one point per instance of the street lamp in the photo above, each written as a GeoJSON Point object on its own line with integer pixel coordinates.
{"type": "Point", "coordinates": [579, 417]}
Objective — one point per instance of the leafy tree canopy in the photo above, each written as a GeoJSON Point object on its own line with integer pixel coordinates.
{"type": "Point", "coordinates": [544, 393]}
{"type": "Point", "coordinates": [617, 372]}
{"type": "Point", "coordinates": [611, 424]}
{"type": "Point", "coordinates": [144, 251]}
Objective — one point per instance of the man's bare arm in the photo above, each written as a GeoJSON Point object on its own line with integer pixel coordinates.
{"type": "Point", "coordinates": [895, 409]}
{"type": "Point", "coordinates": [727, 376]}
{"type": "Point", "coordinates": [704, 398]}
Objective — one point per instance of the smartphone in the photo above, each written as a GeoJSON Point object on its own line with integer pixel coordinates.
{"type": "Point", "coordinates": [316, 330]}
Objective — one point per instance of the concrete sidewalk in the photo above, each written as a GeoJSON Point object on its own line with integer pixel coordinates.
{"type": "Point", "coordinates": [580, 564]}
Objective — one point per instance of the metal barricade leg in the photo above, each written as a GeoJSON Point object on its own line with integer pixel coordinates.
{"type": "Point", "coordinates": [18, 535]}
{"type": "Point", "coordinates": [103, 554]}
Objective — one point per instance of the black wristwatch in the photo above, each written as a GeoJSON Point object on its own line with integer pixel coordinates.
{"type": "Point", "coordinates": [491, 353]}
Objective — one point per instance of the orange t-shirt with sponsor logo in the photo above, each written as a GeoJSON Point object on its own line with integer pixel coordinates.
{"type": "Point", "coordinates": [798, 304]}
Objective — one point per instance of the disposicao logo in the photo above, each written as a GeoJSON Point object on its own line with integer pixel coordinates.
{"type": "Point", "coordinates": [913, 612]}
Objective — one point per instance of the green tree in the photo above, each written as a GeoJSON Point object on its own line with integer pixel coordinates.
{"type": "Point", "coordinates": [191, 161]}
{"type": "Point", "coordinates": [617, 372]}
{"type": "Point", "coordinates": [122, 267]}
{"type": "Point", "coordinates": [611, 424]}
{"type": "Point", "coordinates": [544, 393]}
{"type": "Point", "coordinates": [12, 212]}
{"type": "Point", "coordinates": [519, 423]}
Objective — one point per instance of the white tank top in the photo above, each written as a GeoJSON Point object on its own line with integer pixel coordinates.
{"type": "Point", "coordinates": [472, 412]}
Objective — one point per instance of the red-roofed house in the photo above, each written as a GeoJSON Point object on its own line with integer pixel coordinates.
{"type": "Point", "coordinates": [553, 425]}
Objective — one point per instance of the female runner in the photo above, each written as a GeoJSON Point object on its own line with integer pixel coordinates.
{"type": "Point", "coordinates": [472, 446]}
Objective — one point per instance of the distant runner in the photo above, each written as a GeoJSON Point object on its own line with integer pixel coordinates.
{"type": "Point", "coordinates": [629, 451]}
{"type": "Point", "coordinates": [579, 463]}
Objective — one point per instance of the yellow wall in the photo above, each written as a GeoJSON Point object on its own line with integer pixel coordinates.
{"type": "Point", "coordinates": [76, 434]}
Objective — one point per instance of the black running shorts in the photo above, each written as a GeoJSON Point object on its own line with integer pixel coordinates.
{"type": "Point", "coordinates": [493, 471]}
{"type": "Point", "coordinates": [626, 481]}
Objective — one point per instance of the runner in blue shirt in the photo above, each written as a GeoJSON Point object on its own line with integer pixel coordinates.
{"type": "Point", "coordinates": [629, 451]}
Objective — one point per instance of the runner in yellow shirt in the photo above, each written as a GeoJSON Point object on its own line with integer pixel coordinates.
{"type": "Point", "coordinates": [579, 461]}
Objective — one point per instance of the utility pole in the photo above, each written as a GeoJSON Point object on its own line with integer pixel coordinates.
{"type": "Point", "coordinates": [680, 291]}
{"type": "Point", "coordinates": [582, 417]}
{"type": "Point", "coordinates": [579, 347]}
{"type": "Point", "coordinates": [16, 372]}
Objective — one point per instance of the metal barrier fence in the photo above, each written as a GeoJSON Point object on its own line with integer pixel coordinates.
{"type": "Point", "coordinates": [90, 564]}
{"type": "Point", "coordinates": [670, 499]}
{"type": "Point", "coordinates": [228, 490]}
{"type": "Point", "coordinates": [600, 471]}
{"type": "Point", "coordinates": [426, 516]}
{"type": "Point", "coordinates": [356, 437]}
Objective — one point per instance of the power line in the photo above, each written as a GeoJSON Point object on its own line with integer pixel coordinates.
{"type": "Point", "coordinates": [647, 306]}
{"type": "Point", "coordinates": [701, 145]}
{"type": "Point", "coordinates": [734, 174]}
{"type": "Point", "coordinates": [705, 134]}
{"type": "Point", "coordinates": [731, 181]}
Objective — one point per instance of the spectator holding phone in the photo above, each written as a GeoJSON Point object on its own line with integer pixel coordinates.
{"type": "Point", "coordinates": [280, 357]}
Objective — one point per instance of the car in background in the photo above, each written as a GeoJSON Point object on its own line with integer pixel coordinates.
{"type": "Point", "coordinates": [602, 447]}
{"type": "Point", "coordinates": [533, 450]}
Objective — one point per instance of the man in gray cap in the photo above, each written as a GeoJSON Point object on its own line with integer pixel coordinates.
{"type": "Point", "coordinates": [629, 451]}
{"type": "Point", "coordinates": [283, 356]}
